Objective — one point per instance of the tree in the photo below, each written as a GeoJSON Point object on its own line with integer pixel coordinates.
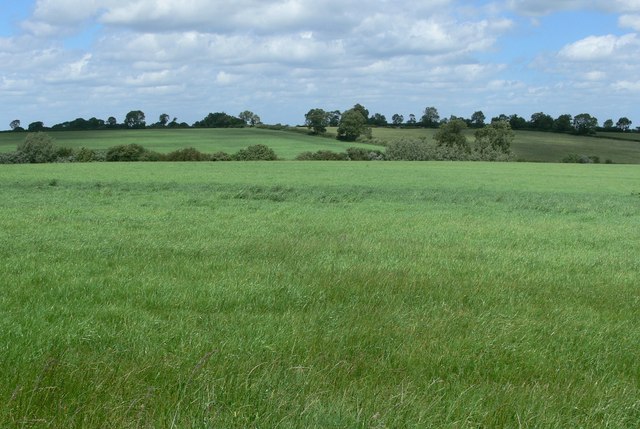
{"type": "Point", "coordinates": [563, 123]}
{"type": "Point", "coordinates": [352, 125]}
{"type": "Point", "coordinates": [334, 118]}
{"type": "Point", "coordinates": [364, 112]}
{"type": "Point", "coordinates": [112, 122]}
{"type": "Point", "coordinates": [37, 148]}
{"type": "Point", "coordinates": [397, 119]}
{"type": "Point", "coordinates": [249, 118]}
{"type": "Point", "coordinates": [477, 119]}
{"type": "Point", "coordinates": [15, 124]}
{"type": "Point", "coordinates": [585, 124]}
{"type": "Point", "coordinates": [378, 119]}
{"type": "Point", "coordinates": [317, 121]}
{"type": "Point", "coordinates": [623, 124]}
{"type": "Point", "coordinates": [412, 119]}
{"type": "Point", "coordinates": [451, 135]}
{"type": "Point", "coordinates": [430, 118]}
{"type": "Point", "coordinates": [35, 127]}
{"type": "Point", "coordinates": [501, 117]}
{"type": "Point", "coordinates": [163, 119]}
{"type": "Point", "coordinates": [608, 124]}
{"type": "Point", "coordinates": [541, 122]}
{"type": "Point", "coordinates": [497, 136]}
{"type": "Point", "coordinates": [517, 122]}
{"type": "Point", "coordinates": [135, 119]}
{"type": "Point", "coordinates": [218, 120]}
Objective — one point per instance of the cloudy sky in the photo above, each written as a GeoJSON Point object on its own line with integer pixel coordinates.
{"type": "Point", "coordinates": [63, 59]}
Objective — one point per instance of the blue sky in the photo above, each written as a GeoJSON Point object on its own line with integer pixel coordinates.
{"type": "Point", "coordinates": [62, 59]}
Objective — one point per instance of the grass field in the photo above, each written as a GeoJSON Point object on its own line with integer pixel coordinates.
{"type": "Point", "coordinates": [286, 144]}
{"type": "Point", "coordinates": [528, 145]}
{"type": "Point", "coordinates": [298, 295]}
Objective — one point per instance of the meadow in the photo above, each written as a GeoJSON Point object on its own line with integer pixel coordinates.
{"type": "Point", "coordinates": [319, 294]}
{"type": "Point", "coordinates": [528, 145]}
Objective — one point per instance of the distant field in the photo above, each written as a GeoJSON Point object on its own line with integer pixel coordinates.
{"type": "Point", "coordinates": [528, 145]}
{"type": "Point", "coordinates": [540, 146]}
{"type": "Point", "coordinates": [319, 295]}
{"type": "Point", "coordinates": [286, 144]}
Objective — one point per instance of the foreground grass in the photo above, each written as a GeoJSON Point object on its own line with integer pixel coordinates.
{"type": "Point", "coordinates": [319, 295]}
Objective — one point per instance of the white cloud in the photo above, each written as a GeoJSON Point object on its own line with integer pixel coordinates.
{"type": "Point", "coordinates": [602, 48]}
{"type": "Point", "coordinates": [630, 21]}
{"type": "Point", "coordinates": [545, 7]}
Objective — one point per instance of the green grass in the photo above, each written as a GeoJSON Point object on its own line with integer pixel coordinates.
{"type": "Point", "coordinates": [299, 295]}
{"type": "Point", "coordinates": [286, 144]}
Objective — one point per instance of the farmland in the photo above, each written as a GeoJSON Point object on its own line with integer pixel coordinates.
{"type": "Point", "coordinates": [293, 294]}
{"type": "Point", "coordinates": [528, 145]}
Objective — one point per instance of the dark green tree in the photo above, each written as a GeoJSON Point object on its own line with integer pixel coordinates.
{"type": "Point", "coordinates": [15, 124]}
{"type": "Point", "coordinates": [563, 124]}
{"type": "Point", "coordinates": [317, 120]}
{"type": "Point", "coordinates": [497, 136]}
{"type": "Point", "coordinates": [135, 119]}
{"type": "Point", "coordinates": [623, 124]}
{"type": "Point", "coordinates": [585, 124]}
{"type": "Point", "coordinates": [364, 112]}
{"type": "Point", "coordinates": [378, 120]}
{"type": "Point", "coordinates": [35, 127]}
{"type": "Point", "coordinates": [477, 119]}
{"type": "Point", "coordinates": [541, 122]}
{"type": "Point", "coordinates": [397, 119]}
{"type": "Point", "coordinates": [452, 135]}
{"type": "Point", "coordinates": [249, 118]}
{"type": "Point", "coordinates": [352, 125]}
{"type": "Point", "coordinates": [430, 117]}
{"type": "Point", "coordinates": [608, 124]}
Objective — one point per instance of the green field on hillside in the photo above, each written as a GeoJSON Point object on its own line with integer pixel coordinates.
{"type": "Point", "coordinates": [319, 294]}
{"type": "Point", "coordinates": [528, 145]}
{"type": "Point", "coordinates": [209, 140]}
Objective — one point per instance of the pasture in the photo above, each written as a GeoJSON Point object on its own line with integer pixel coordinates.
{"type": "Point", "coordinates": [528, 145]}
{"type": "Point", "coordinates": [319, 294]}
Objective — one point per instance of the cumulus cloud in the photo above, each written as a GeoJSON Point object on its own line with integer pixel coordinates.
{"type": "Point", "coordinates": [544, 7]}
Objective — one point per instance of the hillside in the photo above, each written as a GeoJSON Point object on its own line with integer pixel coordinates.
{"type": "Point", "coordinates": [528, 145]}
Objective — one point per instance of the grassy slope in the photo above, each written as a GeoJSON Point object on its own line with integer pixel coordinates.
{"type": "Point", "coordinates": [286, 144]}
{"type": "Point", "coordinates": [531, 146]}
{"type": "Point", "coordinates": [319, 295]}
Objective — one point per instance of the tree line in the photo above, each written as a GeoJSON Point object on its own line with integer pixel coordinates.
{"type": "Point", "coordinates": [136, 119]}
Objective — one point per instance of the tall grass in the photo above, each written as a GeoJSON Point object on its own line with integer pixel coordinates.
{"type": "Point", "coordinates": [319, 295]}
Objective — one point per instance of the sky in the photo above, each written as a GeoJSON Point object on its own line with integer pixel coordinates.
{"type": "Point", "coordinates": [64, 59]}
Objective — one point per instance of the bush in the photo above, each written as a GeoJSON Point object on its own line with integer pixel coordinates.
{"type": "Point", "coordinates": [257, 152]}
{"type": "Point", "coordinates": [574, 158]}
{"type": "Point", "coordinates": [220, 156]}
{"type": "Point", "coordinates": [322, 155]}
{"type": "Point", "coordinates": [12, 158]}
{"type": "Point", "coordinates": [186, 154]}
{"type": "Point", "coordinates": [362, 154]}
{"type": "Point", "coordinates": [37, 148]}
{"type": "Point", "coordinates": [85, 155]}
{"type": "Point", "coordinates": [409, 150]}
{"type": "Point", "coordinates": [125, 153]}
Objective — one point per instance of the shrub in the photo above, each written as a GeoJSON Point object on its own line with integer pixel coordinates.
{"type": "Point", "coordinates": [186, 154]}
{"type": "Point", "coordinates": [362, 154]}
{"type": "Point", "coordinates": [37, 148]}
{"type": "Point", "coordinates": [12, 158]}
{"type": "Point", "coordinates": [574, 158]}
{"type": "Point", "coordinates": [257, 152]}
{"type": "Point", "coordinates": [85, 155]}
{"type": "Point", "coordinates": [220, 156]}
{"type": "Point", "coordinates": [125, 153]}
{"type": "Point", "coordinates": [322, 155]}
{"type": "Point", "coordinates": [409, 150]}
